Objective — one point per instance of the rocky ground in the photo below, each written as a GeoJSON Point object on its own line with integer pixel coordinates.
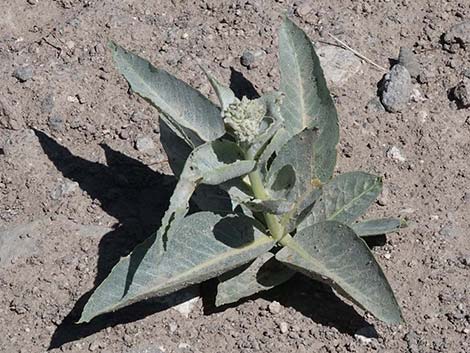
{"type": "Point", "coordinates": [83, 177]}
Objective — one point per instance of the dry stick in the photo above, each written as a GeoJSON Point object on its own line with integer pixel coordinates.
{"type": "Point", "coordinates": [357, 53]}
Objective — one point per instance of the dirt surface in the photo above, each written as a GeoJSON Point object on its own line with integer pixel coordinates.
{"type": "Point", "coordinates": [79, 187]}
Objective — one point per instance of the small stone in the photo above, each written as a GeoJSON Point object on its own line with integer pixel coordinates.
{"type": "Point", "coordinates": [394, 153]}
{"type": "Point", "coordinates": [144, 144]}
{"type": "Point", "coordinates": [408, 60]}
{"type": "Point", "coordinates": [248, 58]}
{"type": "Point", "coordinates": [305, 8]}
{"type": "Point", "coordinates": [56, 123]}
{"type": "Point", "coordinates": [173, 327]}
{"type": "Point", "coordinates": [383, 198]}
{"type": "Point", "coordinates": [184, 35]}
{"type": "Point", "coordinates": [412, 340]}
{"type": "Point", "coordinates": [23, 73]}
{"type": "Point", "coordinates": [64, 188]}
{"type": "Point", "coordinates": [375, 105]}
{"type": "Point", "coordinates": [283, 327]}
{"type": "Point", "coordinates": [93, 346]}
{"type": "Point", "coordinates": [397, 89]}
{"type": "Point", "coordinates": [339, 65]}
{"type": "Point", "coordinates": [274, 307]}
{"type": "Point", "coordinates": [184, 345]}
{"type": "Point", "coordinates": [32, 2]}
{"type": "Point", "coordinates": [366, 335]}
{"type": "Point", "coordinates": [457, 36]}
{"type": "Point", "coordinates": [450, 231]}
{"type": "Point", "coordinates": [461, 93]}
{"type": "Point", "coordinates": [47, 104]}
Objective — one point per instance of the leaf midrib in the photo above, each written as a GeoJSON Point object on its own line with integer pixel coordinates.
{"type": "Point", "coordinates": [353, 200]}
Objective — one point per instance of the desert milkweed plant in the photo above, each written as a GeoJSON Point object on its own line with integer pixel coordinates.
{"type": "Point", "coordinates": [261, 173]}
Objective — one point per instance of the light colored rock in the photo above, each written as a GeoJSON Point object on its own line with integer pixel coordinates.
{"type": "Point", "coordinates": [283, 327]}
{"type": "Point", "coordinates": [144, 144]}
{"type": "Point", "coordinates": [366, 335]}
{"type": "Point", "coordinates": [339, 65]}
{"type": "Point", "coordinates": [394, 153]}
{"type": "Point", "coordinates": [19, 241]}
{"type": "Point", "coordinates": [183, 301]}
{"type": "Point", "coordinates": [397, 89]}
{"type": "Point", "coordinates": [274, 307]}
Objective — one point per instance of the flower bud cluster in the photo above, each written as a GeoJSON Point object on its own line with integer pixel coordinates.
{"type": "Point", "coordinates": [244, 117]}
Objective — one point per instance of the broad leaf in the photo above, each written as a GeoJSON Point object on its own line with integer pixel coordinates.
{"type": "Point", "coordinates": [224, 94]}
{"type": "Point", "coordinates": [176, 149]}
{"type": "Point", "coordinates": [178, 101]}
{"type": "Point", "coordinates": [332, 252]}
{"type": "Point", "coordinates": [345, 198]}
{"type": "Point", "coordinates": [262, 274]}
{"type": "Point", "coordinates": [276, 207]}
{"type": "Point", "coordinates": [304, 154]}
{"type": "Point", "coordinates": [200, 247]}
{"type": "Point", "coordinates": [307, 102]}
{"type": "Point", "coordinates": [212, 163]}
{"type": "Point", "coordinates": [378, 226]}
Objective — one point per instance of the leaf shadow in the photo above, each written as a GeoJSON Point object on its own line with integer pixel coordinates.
{"type": "Point", "coordinates": [241, 86]}
{"type": "Point", "coordinates": [313, 299]}
{"type": "Point", "coordinates": [137, 197]}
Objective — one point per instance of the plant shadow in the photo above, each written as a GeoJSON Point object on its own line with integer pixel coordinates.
{"type": "Point", "coordinates": [311, 298]}
{"type": "Point", "coordinates": [137, 197]}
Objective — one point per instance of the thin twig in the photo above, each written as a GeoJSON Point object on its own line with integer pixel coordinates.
{"type": "Point", "coordinates": [357, 53]}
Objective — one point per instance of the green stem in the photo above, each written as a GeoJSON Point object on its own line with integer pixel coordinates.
{"type": "Point", "coordinates": [276, 229]}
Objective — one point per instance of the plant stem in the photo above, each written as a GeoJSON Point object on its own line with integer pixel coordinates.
{"type": "Point", "coordinates": [276, 229]}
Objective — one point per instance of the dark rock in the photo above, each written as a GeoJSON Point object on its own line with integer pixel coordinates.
{"type": "Point", "coordinates": [461, 93]}
{"type": "Point", "coordinates": [248, 58]}
{"type": "Point", "coordinates": [47, 104]}
{"type": "Point", "coordinates": [23, 73]}
{"type": "Point", "coordinates": [457, 36]}
{"type": "Point", "coordinates": [408, 59]}
{"type": "Point", "coordinates": [397, 89]}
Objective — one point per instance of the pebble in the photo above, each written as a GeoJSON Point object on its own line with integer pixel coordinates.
{"type": "Point", "coordinates": [397, 89]}
{"type": "Point", "coordinates": [407, 59]}
{"type": "Point", "coordinates": [339, 65]}
{"type": "Point", "coordinates": [461, 93]}
{"type": "Point", "coordinates": [457, 36]}
{"type": "Point", "coordinates": [366, 334]}
{"type": "Point", "coordinates": [375, 105]}
{"type": "Point", "coordinates": [23, 73]}
{"type": "Point", "coordinates": [56, 122]}
{"type": "Point", "coordinates": [412, 340]}
{"type": "Point", "coordinates": [47, 104]}
{"type": "Point", "coordinates": [394, 153]}
{"type": "Point", "coordinates": [450, 231]}
{"type": "Point", "coordinates": [144, 144]}
{"type": "Point", "coordinates": [274, 307]}
{"type": "Point", "coordinates": [64, 188]}
{"type": "Point", "coordinates": [173, 327]}
{"type": "Point", "coordinates": [305, 8]}
{"type": "Point", "coordinates": [248, 58]}
{"type": "Point", "coordinates": [284, 327]}
{"type": "Point", "coordinates": [18, 242]}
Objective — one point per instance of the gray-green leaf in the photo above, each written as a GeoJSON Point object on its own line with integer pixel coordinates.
{"type": "Point", "coordinates": [330, 251]}
{"type": "Point", "coordinates": [277, 207]}
{"type": "Point", "coordinates": [181, 103]}
{"type": "Point", "coordinates": [224, 94]}
{"type": "Point", "coordinates": [211, 163]}
{"type": "Point", "coordinates": [378, 226]}
{"type": "Point", "coordinates": [307, 102]}
{"type": "Point", "coordinates": [345, 198]}
{"type": "Point", "coordinates": [200, 247]}
{"type": "Point", "coordinates": [262, 274]}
